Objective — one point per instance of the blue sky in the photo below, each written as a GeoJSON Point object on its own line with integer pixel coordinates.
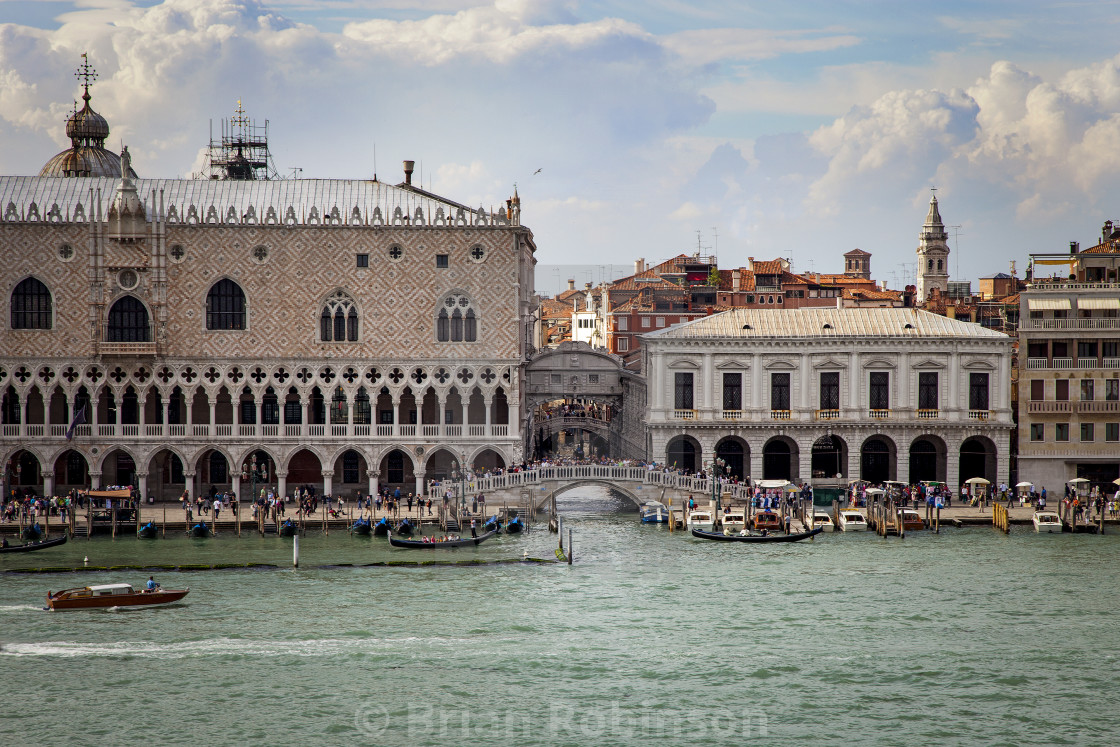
{"type": "Point", "coordinates": [799, 129]}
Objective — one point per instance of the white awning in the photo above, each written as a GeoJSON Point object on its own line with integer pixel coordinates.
{"type": "Point", "coordinates": [1098, 303]}
{"type": "Point", "coordinates": [1048, 304]}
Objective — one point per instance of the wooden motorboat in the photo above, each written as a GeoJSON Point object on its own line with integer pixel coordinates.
{"type": "Point", "coordinates": [769, 520]}
{"type": "Point", "coordinates": [654, 512]}
{"type": "Point", "coordinates": [1047, 522]}
{"type": "Point", "coordinates": [32, 546]}
{"type": "Point", "coordinates": [288, 528]}
{"type": "Point", "coordinates": [911, 519]}
{"type": "Point", "coordinates": [436, 543]}
{"type": "Point", "coordinates": [111, 595]}
{"type": "Point", "coordinates": [363, 527]}
{"type": "Point", "coordinates": [824, 521]}
{"type": "Point", "coordinates": [199, 530]}
{"type": "Point", "coordinates": [768, 537]}
{"type": "Point", "coordinates": [148, 531]}
{"type": "Point", "coordinates": [514, 525]}
{"type": "Point", "coordinates": [735, 519]}
{"type": "Point", "coordinates": [382, 527]}
{"type": "Point", "coordinates": [701, 518]}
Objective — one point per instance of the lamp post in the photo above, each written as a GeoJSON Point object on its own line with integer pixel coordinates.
{"type": "Point", "coordinates": [251, 472]}
{"type": "Point", "coordinates": [717, 468]}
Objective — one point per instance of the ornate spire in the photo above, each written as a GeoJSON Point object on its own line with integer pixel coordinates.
{"type": "Point", "coordinates": [87, 74]}
{"type": "Point", "coordinates": [934, 216]}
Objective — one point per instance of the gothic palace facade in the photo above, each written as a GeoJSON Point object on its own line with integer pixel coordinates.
{"type": "Point", "coordinates": [338, 334]}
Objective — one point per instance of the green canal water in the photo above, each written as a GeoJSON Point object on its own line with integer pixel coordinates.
{"type": "Point", "coordinates": [967, 637]}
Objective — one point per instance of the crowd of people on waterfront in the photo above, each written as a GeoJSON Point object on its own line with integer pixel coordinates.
{"type": "Point", "coordinates": [593, 410]}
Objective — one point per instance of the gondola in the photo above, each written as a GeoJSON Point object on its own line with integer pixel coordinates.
{"type": "Point", "coordinates": [435, 544]}
{"type": "Point", "coordinates": [34, 532]}
{"type": "Point", "coordinates": [404, 528]}
{"type": "Point", "coordinates": [756, 537]}
{"type": "Point", "coordinates": [288, 528]}
{"type": "Point", "coordinates": [492, 525]}
{"type": "Point", "coordinates": [514, 525]}
{"type": "Point", "coordinates": [148, 531]}
{"type": "Point", "coordinates": [362, 527]}
{"type": "Point", "coordinates": [382, 527]}
{"type": "Point", "coordinates": [32, 546]}
{"type": "Point", "coordinates": [199, 530]}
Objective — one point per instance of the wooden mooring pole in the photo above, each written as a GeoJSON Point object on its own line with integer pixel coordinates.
{"type": "Point", "coordinates": [570, 554]}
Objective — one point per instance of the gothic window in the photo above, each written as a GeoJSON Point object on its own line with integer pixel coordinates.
{"type": "Point", "coordinates": [338, 319]}
{"type": "Point", "coordinates": [31, 305]}
{"type": "Point", "coordinates": [128, 322]}
{"type": "Point", "coordinates": [225, 306]}
{"type": "Point", "coordinates": [457, 320]}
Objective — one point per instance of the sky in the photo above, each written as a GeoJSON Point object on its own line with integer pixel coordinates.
{"type": "Point", "coordinates": [631, 128]}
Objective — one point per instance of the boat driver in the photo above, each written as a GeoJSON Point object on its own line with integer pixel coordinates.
{"type": "Point", "coordinates": [152, 585]}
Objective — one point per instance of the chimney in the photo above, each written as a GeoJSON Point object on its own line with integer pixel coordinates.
{"type": "Point", "coordinates": [639, 265]}
{"type": "Point", "coordinates": [736, 277]}
{"type": "Point", "coordinates": [1107, 231]}
{"type": "Point", "coordinates": [408, 166]}
{"type": "Point", "coordinates": [571, 284]}
{"type": "Point", "coordinates": [1074, 247]}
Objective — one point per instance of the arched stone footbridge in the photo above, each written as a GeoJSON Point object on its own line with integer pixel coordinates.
{"type": "Point", "coordinates": [536, 487]}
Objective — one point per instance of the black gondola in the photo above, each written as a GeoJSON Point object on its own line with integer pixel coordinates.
{"type": "Point", "coordinates": [362, 527]}
{"type": "Point", "coordinates": [404, 528]}
{"type": "Point", "coordinates": [382, 527]}
{"type": "Point", "coordinates": [514, 525]}
{"type": "Point", "coordinates": [492, 525]}
{"type": "Point", "coordinates": [148, 531]}
{"type": "Point", "coordinates": [33, 532]}
{"type": "Point", "coordinates": [199, 530]}
{"type": "Point", "coordinates": [33, 546]}
{"type": "Point", "coordinates": [288, 528]}
{"type": "Point", "coordinates": [756, 537]}
{"type": "Point", "coordinates": [434, 544]}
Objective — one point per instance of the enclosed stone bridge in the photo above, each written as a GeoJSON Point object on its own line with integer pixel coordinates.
{"type": "Point", "coordinates": [535, 488]}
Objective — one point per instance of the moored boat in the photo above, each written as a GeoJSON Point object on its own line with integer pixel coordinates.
{"type": "Point", "coordinates": [735, 519]}
{"type": "Point", "coordinates": [382, 527]}
{"type": "Point", "coordinates": [701, 519]}
{"type": "Point", "coordinates": [769, 520]}
{"type": "Point", "coordinates": [34, 532]}
{"type": "Point", "coordinates": [111, 595]}
{"type": "Point", "coordinates": [1047, 522]}
{"type": "Point", "coordinates": [824, 521]}
{"type": "Point", "coordinates": [515, 525]}
{"type": "Point", "coordinates": [911, 519]}
{"type": "Point", "coordinates": [363, 527]}
{"type": "Point", "coordinates": [852, 521]}
{"type": "Point", "coordinates": [492, 525]}
{"type": "Point", "coordinates": [32, 546]}
{"type": "Point", "coordinates": [148, 531]}
{"type": "Point", "coordinates": [288, 528]}
{"type": "Point", "coordinates": [404, 528]}
{"type": "Point", "coordinates": [654, 512]}
{"type": "Point", "coordinates": [199, 530]}
{"type": "Point", "coordinates": [743, 536]}
{"type": "Point", "coordinates": [436, 543]}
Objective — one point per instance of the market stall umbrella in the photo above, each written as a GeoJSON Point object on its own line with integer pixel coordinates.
{"type": "Point", "coordinates": [1116, 481]}
{"type": "Point", "coordinates": [874, 491]}
{"type": "Point", "coordinates": [1024, 484]}
{"type": "Point", "coordinates": [1078, 481]}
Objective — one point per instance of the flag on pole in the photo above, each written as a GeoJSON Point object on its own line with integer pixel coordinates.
{"type": "Point", "coordinates": [79, 418]}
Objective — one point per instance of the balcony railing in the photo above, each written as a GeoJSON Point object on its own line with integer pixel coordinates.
{"type": "Point", "coordinates": [978, 414]}
{"type": "Point", "coordinates": [1061, 363]}
{"type": "Point", "coordinates": [927, 414]}
{"type": "Point", "coordinates": [1036, 363]}
{"type": "Point", "coordinates": [779, 414]}
{"type": "Point", "coordinates": [731, 414]}
{"type": "Point", "coordinates": [499, 430]}
{"type": "Point", "coordinates": [1110, 363]}
{"type": "Point", "coordinates": [1099, 406]}
{"type": "Point", "coordinates": [124, 349]}
{"type": "Point", "coordinates": [684, 414]}
{"type": "Point", "coordinates": [1042, 407]}
{"type": "Point", "coordinates": [877, 414]}
{"type": "Point", "coordinates": [266, 432]}
{"type": "Point", "coordinates": [828, 414]}
{"type": "Point", "coordinates": [1088, 363]}
{"type": "Point", "coordinates": [431, 431]}
{"type": "Point", "coordinates": [477, 430]}
{"type": "Point", "coordinates": [1101, 323]}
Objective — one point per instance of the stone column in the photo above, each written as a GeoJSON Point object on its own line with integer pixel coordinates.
{"type": "Point", "coordinates": [805, 386]}
{"type": "Point", "coordinates": [95, 480]}
{"type": "Point", "coordinates": [396, 415]}
{"type": "Point", "coordinates": [48, 482]}
{"type": "Point", "coordinates": [804, 462]}
{"type": "Point", "coordinates": [465, 402]}
{"type": "Point", "coordinates": [191, 489]}
{"type": "Point", "coordinates": [235, 487]}
{"type": "Point", "coordinates": [188, 405]}
{"type": "Point", "coordinates": [372, 475]}
{"type": "Point", "coordinates": [851, 470]}
{"type": "Point", "coordinates": [420, 482]}
{"type": "Point", "coordinates": [213, 403]}
{"type": "Point", "coordinates": [305, 408]}
{"type": "Point", "coordinates": [24, 414]}
{"type": "Point", "coordinates": [328, 487]}
{"type": "Point", "coordinates": [142, 486]}
{"type": "Point", "coordinates": [281, 483]}
{"type": "Point", "coordinates": [902, 462]}
{"type": "Point", "coordinates": [441, 416]}
{"type": "Point", "coordinates": [349, 417]}
{"type": "Point", "coordinates": [952, 464]}
{"type": "Point", "coordinates": [903, 403]}
{"type": "Point", "coordinates": [757, 375]}
{"type": "Point", "coordinates": [488, 402]}
{"type": "Point", "coordinates": [954, 387]}
{"type": "Point", "coordinates": [1004, 384]}
{"type": "Point", "coordinates": [756, 462]}
{"type": "Point", "coordinates": [855, 381]}
{"type": "Point", "coordinates": [706, 386]}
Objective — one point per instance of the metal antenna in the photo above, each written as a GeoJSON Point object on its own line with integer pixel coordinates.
{"type": "Point", "coordinates": [956, 250]}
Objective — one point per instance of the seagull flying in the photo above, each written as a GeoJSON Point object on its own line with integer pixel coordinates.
{"type": "Point", "coordinates": [536, 172]}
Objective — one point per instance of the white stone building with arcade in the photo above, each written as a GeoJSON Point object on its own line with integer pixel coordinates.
{"type": "Point", "coordinates": [830, 395]}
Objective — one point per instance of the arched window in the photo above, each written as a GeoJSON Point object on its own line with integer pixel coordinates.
{"type": "Point", "coordinates": [939, 265]}
{"type": "Point", "coordinates": [225, 306]}
{"type": "Point", "coordinates": [31, 305]}
{"type": "Point", "coordinates": [128, 322]}
{"type": "Point", "coordinates": [929, 265]}
{"type": "Point", "coordinates": [457, 320]}
{"type": "Point", "coordinates": [338, 321]}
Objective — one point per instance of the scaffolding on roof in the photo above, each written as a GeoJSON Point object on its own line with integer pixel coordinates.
{"type": "Point", "coordinates": [241, 154]}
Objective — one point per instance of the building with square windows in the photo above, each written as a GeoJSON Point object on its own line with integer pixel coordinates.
{"type": "Point", "coordinates": [830, 395]}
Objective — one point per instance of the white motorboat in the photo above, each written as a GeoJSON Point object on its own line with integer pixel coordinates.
{"type": "Point", "coordinates": [701, 518]}
{"type": "Point", "coordinates": [852, 521]}
{"type": "Point", "coordinates": [735, 519]}
{"type": "Point", "coordinates": [1047, 521]}
{"type": "Point", "coordinates": [823, 520]}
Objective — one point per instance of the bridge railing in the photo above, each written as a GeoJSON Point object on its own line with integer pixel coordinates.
{"type": "Point", "coordinates": [699, 487]}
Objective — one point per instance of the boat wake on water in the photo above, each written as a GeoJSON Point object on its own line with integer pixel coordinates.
{"type": "Point", "coordinates": [224, 647]}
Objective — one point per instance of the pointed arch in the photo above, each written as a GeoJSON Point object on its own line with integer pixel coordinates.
{"type": "Point", "coordinates": [339, 318]}
{"type": "Point", "coordinates": [32, 305]}
{"type": "Point", "coordinates": [128, 321]}
{"type": "Point", "coordinates": [225, 306]}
